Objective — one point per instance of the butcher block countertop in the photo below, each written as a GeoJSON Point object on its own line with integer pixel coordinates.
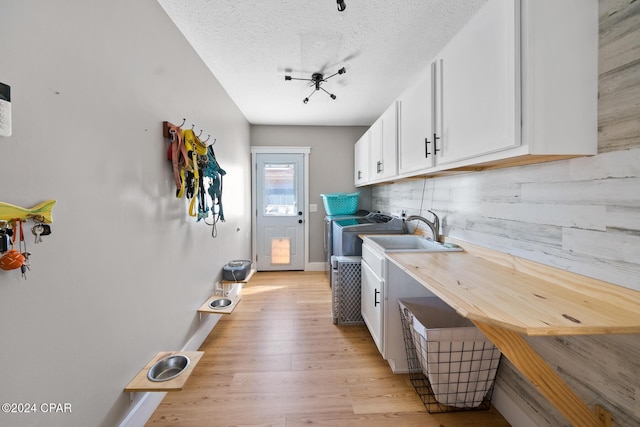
{"type": "Point", "coordinates": [528, 298]}
{"type": "Point", "coordinates": [508, 297]}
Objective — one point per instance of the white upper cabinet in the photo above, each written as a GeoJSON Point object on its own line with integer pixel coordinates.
{"type": "Point", "coordinates": [468, 100]}
{"type": "Point", "coordinates": [560, 77]}
{"type": "Point", "coordinates": [478, 86]}
{"type": "Point", "coordinates": [518, 84]}
{"type": "Point", "coordinates": [375, 150]}
{"type": "Point", "coordinates": [415, 126]}
{"type": "Point", "coordinates": [362, 149]}
{"type": "Point", "coordinates": [384, 149]}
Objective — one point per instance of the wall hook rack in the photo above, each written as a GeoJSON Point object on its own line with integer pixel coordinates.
{"type": "Point", "coordinates": [40, 212]}
{"type": "Point", "coordinates": [13, 245]}
{"type": "Point", "coordinates": [169, 130]}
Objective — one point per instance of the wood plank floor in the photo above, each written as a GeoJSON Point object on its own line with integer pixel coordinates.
{"type": "Point", "coordinates": [278, 360]}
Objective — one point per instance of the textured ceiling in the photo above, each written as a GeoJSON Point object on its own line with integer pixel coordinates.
{"type": "Point", "coordinates": [250, 45]}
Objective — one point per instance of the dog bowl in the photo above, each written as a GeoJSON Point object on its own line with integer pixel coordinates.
{"type": "Point", "coordinates": [219, 303]}
{"type": "Point", "coordinates": [168, 368]}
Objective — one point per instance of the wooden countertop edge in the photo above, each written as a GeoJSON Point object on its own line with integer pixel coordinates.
{"type": "Point", "coordinates": [140, 383]}
{"type": "Point", "coordinates": [548, 276]}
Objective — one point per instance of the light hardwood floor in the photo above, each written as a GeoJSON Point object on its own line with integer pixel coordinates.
{"type": "Point", "coordinates": [278, 360]}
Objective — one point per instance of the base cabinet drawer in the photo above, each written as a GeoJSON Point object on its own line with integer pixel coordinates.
{"type": "Point", "coordinates": [374, 258]}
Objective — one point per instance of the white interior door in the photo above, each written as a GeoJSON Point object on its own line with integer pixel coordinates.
{"type": "Point", "coordinates": [279, 211]}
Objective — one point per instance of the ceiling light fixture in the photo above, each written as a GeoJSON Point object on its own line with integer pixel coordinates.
{"type": "Point", "coordinates": [317, 79]}
{"type": "Point", "coordinates": [341, 5]}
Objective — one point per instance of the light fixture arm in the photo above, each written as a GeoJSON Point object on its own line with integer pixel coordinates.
{"type": "Point", "coordinates": [340, 71]}
{"type": "Point", "coordinates": [317, 79]}
{"type": "Point", "coordinates": [295, 78]}
{"type": "Point", "coordinates": [330, 94]}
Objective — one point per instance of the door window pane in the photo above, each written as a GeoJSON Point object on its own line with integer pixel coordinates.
{"type": "Point", "coordinates": [280, 189]}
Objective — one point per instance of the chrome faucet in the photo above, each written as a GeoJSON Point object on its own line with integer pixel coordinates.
{"type": "Point", "coordinates": [433, 226]}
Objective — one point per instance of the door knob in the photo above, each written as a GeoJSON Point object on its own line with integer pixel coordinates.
{"type": "Point", "coordinates": [299, 221]}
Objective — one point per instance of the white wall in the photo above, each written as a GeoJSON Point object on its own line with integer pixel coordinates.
{"type": "Point", "coordinates": [330, 167]}
{"type": "Point", "coordinates": [125, 269]}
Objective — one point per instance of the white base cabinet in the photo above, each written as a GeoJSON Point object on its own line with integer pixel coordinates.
{"type": "Point", "coordinates": [371, 295]}
{"type": "Point", "coordinates": [382, 285]}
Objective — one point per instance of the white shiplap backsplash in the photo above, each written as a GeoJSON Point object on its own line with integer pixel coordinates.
{"type": "Point", "coordinates": [581, 215]}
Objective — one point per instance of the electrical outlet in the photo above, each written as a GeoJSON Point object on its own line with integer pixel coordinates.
{"type": "Point", "coordinates": [5, 110]}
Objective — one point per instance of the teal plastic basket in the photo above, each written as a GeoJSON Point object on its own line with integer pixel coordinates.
{"type": "Point", "coordinates": [340, 203]}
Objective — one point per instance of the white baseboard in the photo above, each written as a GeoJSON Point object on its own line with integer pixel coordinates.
{"type": "Point", "coordinates": [315, 266]}
{"type": "Point", "coordinates": [508, 408]}
{"type": "Point", "coordinates": [146, 405]}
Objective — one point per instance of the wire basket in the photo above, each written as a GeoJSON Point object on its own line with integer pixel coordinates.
{"type": "Point", "coordinates": [345, 290]}
{"type": "Point", "coordinates": [451, 368]}
{"type": "Point", "coordinates": [340, 203]}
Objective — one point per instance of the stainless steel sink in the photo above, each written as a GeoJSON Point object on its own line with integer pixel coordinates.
{"type": "Point", "coordinates": [408, 243]}
{"type": "Point", "coordinates": [220, 303]}
{"type": "Point", "coordinates": [168, 368]}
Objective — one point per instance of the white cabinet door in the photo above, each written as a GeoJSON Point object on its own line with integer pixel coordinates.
{"type": "Point", "coordinates": [560, 76]}
{"type": "Point", "coordinates": [362, 160]}
{"type": "Point", "coordinates": [371, 303]}
{"type": "Point", "coordinates": [415, 126]}
{"type": "Point", "coordinates": [478, 85]}
{"type": "Point", "coordinates": [375, 150]}
{"type": "Point", "coordinates": [389, 159]}
{"type": "Point", "coordinates": [384, 147]}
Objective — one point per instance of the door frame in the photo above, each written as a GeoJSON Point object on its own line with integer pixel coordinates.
{"type": "Point", "coordinates": [255, 150]}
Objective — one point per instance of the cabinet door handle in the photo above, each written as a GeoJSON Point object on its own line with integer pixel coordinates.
{"type": "Point", "coordinates": [379, 166]}
{"type": "Point", "coordinates": [359, 174]}
{"type": "Point", "coordinates": [435, 143]}
{"type": "Point", "coordinates": [375, 297]}
{"type": "Point", "coordinates": [426, 147]}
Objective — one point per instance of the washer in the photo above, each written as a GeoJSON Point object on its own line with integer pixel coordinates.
{"type": "Point", "coordinates": [346, 240]}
